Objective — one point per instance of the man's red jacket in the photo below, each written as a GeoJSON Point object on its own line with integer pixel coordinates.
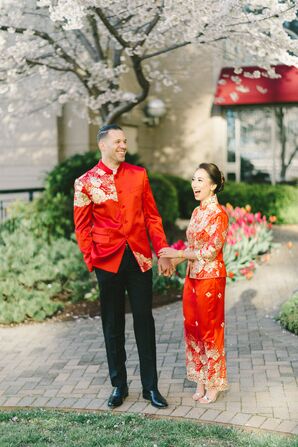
{"type": "Point", "coordinates": [111, 210]}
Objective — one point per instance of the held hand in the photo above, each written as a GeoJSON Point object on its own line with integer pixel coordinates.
{"type": "Point", "coordinates": [168, 252]}
{"type": "Point", "coordinates": [165, 267]}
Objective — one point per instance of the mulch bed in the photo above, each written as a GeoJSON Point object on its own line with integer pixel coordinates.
{"type": "Point", "coordinates": [91, 309]}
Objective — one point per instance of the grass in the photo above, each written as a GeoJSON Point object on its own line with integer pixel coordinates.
{"type": "Point", "coordinates": [44, 428]}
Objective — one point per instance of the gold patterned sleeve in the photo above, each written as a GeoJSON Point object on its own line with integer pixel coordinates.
{"type": "Point", "coordinates": [82, 221]}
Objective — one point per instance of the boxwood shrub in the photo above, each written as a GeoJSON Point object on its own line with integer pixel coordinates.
{"type": "Point", "coordinates": [186, 200]}
{"type": "Point", "coordinates": [277, 200]}
{"type": "Point", "coordinates": [288, 316]}
{"type": "Point", "coordinates": [166, 198]}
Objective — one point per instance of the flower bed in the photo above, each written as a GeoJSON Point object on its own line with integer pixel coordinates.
{"type": "Point", "coordinates": [249, 239]}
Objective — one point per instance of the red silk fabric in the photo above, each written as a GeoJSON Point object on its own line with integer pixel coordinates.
{"type": "Point", "coordinates": [203, 296]}
{"type": "Point", "coordinates": [203, 309]}
{"type": "Point", "coordinates": [112, 208]}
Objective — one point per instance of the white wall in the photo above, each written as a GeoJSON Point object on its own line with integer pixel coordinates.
{"type": "Point", "coordinates": [28, 151]}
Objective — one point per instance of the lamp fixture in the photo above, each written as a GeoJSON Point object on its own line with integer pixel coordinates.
{"type": "Point", "coordinates": [154, 110]}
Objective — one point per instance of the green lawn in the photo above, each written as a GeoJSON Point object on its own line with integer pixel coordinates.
{"type": "Point", "coordinates": [40, 428]}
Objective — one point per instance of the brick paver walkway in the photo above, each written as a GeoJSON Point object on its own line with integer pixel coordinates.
{"type": "Point", "coordinates": [64, 365]}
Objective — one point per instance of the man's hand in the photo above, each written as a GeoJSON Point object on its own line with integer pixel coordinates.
{"type": "Point", "coordinates": [165, 267]}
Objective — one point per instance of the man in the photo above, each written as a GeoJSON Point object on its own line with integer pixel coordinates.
{"type": "Point", "coordinates": [114, 212]}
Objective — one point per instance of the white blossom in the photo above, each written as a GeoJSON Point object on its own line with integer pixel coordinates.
{"type": "Point", "coordinates": [82, 50]}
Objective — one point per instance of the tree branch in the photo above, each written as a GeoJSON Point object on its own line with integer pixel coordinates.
{"type": "Point", "coordinates": [79, 71]}
{"type": "Point", "coordinates": [45, 36]}
{"type": "Point", "coordinates": [86, 43]}
{"type": "Point", "coordinates": [127, 106]}
{"type": "Point", "coordinates": [110, 28]}
{"type": "Point", "coordinates": [292, 156]}
{"type": "Point", "coordinates": [276, 15]}
{"type": "Point", "coordinates": [93, 24]}
{"type": "Point", "coordinates": [150, 27]}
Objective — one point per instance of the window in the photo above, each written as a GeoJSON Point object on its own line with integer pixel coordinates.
{"type": "Point", "coordinates": [262, 143]}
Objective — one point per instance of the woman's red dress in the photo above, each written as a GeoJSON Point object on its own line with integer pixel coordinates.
{"type": "Point", "coordinates": [203, 297]}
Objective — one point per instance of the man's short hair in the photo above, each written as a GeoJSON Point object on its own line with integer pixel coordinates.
{"type": "Point", "coordinates": [104, 130]}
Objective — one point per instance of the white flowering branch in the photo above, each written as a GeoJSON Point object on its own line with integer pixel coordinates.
{"type": "Point", "coordinates": [81, 51]}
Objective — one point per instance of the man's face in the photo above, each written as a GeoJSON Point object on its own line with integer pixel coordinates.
{"type": "Point", "coordinates": [114, 146]}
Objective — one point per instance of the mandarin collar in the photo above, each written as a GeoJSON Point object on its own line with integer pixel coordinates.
{"type": "Point", "coordinates": [210, 201]}
{"type": "Point", "coordinates": [105, 168]}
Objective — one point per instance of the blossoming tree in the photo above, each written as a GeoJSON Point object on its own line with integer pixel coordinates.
{"type": "Point", "coordinates": [82, 50]}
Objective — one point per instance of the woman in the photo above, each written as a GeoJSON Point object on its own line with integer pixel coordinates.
{"type": "Point", "coordinates": [204, 288]}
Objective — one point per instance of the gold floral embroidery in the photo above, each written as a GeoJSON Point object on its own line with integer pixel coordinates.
{"type": "Point", "coordinates": [206, 364]}
{"type": "Point", "coordinates": [206, 236]}
{"type": "Point", "coordinates": [99, 187]}
{"type": "Point", "coordinates": [144, 263]}
{"type": "Point", "coordinates": [103, 188]}
{"type": "Point", "coordinates": [80, 198]}
{"type": "Point", "coordinates": [100, 171]}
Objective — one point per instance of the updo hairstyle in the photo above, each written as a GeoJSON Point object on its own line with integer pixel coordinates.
{"type": "Point", "coordinates": [215, 174]}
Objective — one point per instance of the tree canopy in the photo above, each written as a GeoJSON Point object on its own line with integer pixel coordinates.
{"type": "Point", "coordinates": [82, 50]}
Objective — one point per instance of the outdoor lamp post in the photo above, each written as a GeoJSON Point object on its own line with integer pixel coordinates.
{"type": "Point", "coordinates": [154, 110]}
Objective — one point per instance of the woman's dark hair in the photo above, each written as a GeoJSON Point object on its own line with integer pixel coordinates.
{"type": "Point", "coordinates": [103, 131]}
{"type": "Point", "coordinates": [215, 174]}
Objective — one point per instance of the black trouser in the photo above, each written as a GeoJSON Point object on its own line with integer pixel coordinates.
{"type": "Point", "coordinates": [112, 298]}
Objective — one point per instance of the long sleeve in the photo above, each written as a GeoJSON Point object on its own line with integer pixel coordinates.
{"type": "Point", "coordinates": [153, 220]}
{"type": "Point", "coordinates": [211, 240]}
{"type": "Point", "coordinates": [83, 221]}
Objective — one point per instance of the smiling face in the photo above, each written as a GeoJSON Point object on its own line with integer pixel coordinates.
{"type": "Point", "coordinates": [113, 148]}
{"type": "Point", "coordinates": [202, 185]}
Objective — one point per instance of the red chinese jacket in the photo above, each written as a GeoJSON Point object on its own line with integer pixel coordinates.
{"type": "Point", "coordinates": [206, 235]}
{"type": "Point", "coordinates": [112, 209]}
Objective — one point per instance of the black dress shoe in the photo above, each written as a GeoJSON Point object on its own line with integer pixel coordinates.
{"type": "Point", "coordinates": [117, 397]}
{"type": "Point", "coordinates": [155, 398]}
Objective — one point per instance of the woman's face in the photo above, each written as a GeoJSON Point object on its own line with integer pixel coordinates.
{"type": "Point", "coordinates": [202, 185]}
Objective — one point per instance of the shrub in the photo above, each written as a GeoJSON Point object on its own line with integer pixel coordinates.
{"type": "Point", "coordinates": [186, 200]}
{"type": "Point", "coordinates": [166, 198]}
{"type": "Point", "coordinates": [47, 217]}
{"type": "Point", "coordinates": [288, 316]}
{"type": "Point", "coordinates": [277, 200]}
{"type": "Point", "coordinates": [35, 276]}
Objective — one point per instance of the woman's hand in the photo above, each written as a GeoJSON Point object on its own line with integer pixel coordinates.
{"type": "Point", "coordinates": [168, 252]}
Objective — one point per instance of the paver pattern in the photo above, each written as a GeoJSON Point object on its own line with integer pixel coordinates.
{"type": "Point", "coordinates": [63, 365]}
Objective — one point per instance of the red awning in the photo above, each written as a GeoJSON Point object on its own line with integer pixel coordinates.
{"type": "Point", "coordinates": [252, 85]}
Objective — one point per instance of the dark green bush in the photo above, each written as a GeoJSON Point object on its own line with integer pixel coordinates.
{"type": "Point", "coordinates": [272, 200]}
{"type": "Point", "coordinates": [277, 200]}
{"type": "Point", "coordinates": [166, 198]}
{"type": "Point", "coordinates": [48, 216]}
{"type": "Point", "coordinates": [186, 199]}
{"type": "Point", "coordinates": [288, 316]}
{"type": "Point", "coordinates": [35, 276]}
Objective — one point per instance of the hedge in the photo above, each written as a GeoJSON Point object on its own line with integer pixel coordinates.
{"type": "Point", "coordinates": [288, 316]}
{"type": "Point", "coordinates": [271, 200]}
{"type": "Point", "coordinates": [166, 198]}
{"type": "Point", "coordinates": [186, 200]}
